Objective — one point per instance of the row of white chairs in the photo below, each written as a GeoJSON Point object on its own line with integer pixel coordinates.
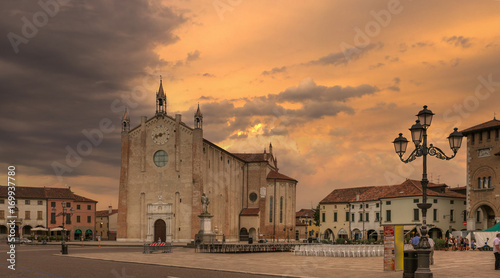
{"type": "Point", "coordinates": [326, 250]}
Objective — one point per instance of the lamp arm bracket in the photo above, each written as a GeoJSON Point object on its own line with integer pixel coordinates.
{"type": "Point", "coordinates": [438, 153]}
{"type": "Point", "coordinates": [416, 153]}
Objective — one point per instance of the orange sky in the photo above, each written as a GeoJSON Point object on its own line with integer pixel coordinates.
{"type": "Point", "coordinates": [405, 55]}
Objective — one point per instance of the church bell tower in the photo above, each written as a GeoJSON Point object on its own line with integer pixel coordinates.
{"type": "Point", "coordinates": [161, 101]}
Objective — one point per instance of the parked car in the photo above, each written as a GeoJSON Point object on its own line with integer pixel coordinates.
{"type": "Point", "coordinates": [16, 240]}
{"type": "Point", "coordinates": [25, 240]}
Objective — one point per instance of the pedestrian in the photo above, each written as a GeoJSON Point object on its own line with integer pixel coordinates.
{"type": "Point", "coordinates": [431, 255]}
{"type": "Point", "coordinates": [159, 239]}
{"type": "Point", "coordinates": [415, 240]}
{"type": "Point", "coordinates": [496, 251]}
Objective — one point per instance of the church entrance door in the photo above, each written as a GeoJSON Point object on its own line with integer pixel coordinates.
{"type": "Point", "coordinates": [160, 230]}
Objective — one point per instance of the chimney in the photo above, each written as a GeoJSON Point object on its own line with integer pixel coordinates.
{"type": "Point", "coordinates": [110, 209]}
{"type": "Point", "coordinates": [357, 197]}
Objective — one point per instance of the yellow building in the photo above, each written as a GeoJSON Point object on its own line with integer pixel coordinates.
{"type": "Point", "coordinates": [305, 225]}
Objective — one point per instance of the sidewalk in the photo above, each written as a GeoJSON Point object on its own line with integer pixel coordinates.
{"type": "Point", "coordinates": [107, 243]}
{"type": "Point", "coordinates": [447, 264]}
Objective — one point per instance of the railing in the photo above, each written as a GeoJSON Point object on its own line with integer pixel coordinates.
{"type": "Point", "coordinates": [152, 247]}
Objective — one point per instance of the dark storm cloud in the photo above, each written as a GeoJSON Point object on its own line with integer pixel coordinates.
{"type": "Point", "coordinates": [68, 71]}
{"type": "Point", "coordinates": [459, 41]}
{"type": "Point", "coordinates": [344, 57]}
{"type": "Point", "coordinates": [222, 119]}
{"type": "Point", "coordinates": [274, 70]}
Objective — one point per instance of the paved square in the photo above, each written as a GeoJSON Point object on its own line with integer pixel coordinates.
{"type": "Point", "coordinates": [447, 263]}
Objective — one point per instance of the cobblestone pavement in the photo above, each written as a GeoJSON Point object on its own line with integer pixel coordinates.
{"type": "Point", "coordinates": [447, 263]}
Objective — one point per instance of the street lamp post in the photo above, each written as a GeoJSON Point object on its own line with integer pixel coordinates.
{"type": "Point", "coordinates": [419, 138]}
{"type": "Point", "coordinates": [64, 213]}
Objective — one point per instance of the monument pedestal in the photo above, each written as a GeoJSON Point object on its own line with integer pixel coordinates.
{"type": "Point", "coordinates": [205, 235]}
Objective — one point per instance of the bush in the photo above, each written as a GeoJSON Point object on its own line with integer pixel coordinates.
{"type": "Point", "coordinates": [439, 243]}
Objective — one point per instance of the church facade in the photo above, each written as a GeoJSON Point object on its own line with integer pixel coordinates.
{"type": "Point", "coordinates": [167, 165]}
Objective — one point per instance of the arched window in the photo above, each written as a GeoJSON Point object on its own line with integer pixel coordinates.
{"type": "Point", "coordinates": [281, 210]}
{"type": "Point", "coordinates": [271, 209]}
{"type": "Point", "coordinates": [479, 183]}
{"type": "Point", "coordinates": [489, 182]}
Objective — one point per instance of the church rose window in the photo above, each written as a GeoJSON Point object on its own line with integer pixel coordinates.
{"type": "Point", "coordinates": [160, 158]}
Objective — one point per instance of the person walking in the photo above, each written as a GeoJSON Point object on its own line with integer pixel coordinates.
{"type": "Point", "coordinates": [431, 255]}
{"type": "Point", "coordinates": [496, 251]}
{"type": "Point", "coordinates": [415, 240]}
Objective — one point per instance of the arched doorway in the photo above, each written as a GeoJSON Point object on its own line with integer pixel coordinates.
{"type": "Point", "coordinates": [435, 233]}
{"type": "Point", "coordinates": [485, 217]}
{"type": "Point", "coordinates": [342, 234]}
{"type": "Point", "coordinates": [372, 234]}
{"type": "Point", "coordinates": [160, 230]}
{"type": "Point", "coordinates": [78, 234]}
{"type": "Point", "coordinates": [3, 230]}
{"type": "Point", "coordinates": [88, 234]}
{"type": "Point", "coordinates": [27, 230]}
{"type": "Point", "coordinates": [253, 234]}
{"type": "Point", "coordinates": [243, 234]}
{"type": "Point", "coordinates": [356, 234]}
{"type": "Point", "coordinates": [328, 235]}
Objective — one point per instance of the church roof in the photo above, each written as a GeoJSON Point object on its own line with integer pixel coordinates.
{"type": "Point", "coordinates": [250, 212]}
{"type": "Point", "coordinates": [161, 93]}
{"type": "Point", "coordinates": [251, 157]}
{"type": "Point", "coordinates": [275, 175]}
{"type": "Point", "coordinates": [198, 112]}
{"type": "Point", "coordinates": [487, 125]}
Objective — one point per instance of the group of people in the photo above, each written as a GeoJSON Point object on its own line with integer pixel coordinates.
{"type": "Point", "coordinates": [459, 243]}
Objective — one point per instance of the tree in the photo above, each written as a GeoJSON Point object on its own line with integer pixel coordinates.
{"type": "Point", "coordinates": [316, 216]}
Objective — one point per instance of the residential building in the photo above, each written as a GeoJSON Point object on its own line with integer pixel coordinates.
{"type": "Point", "coordinates": [305, 220]}
{"type": "Point", "coordinates": [106, 223]}
{"type": "Point", "coordinates": [30, 211]}
{"type": "Point", "coordinates": [483, 175]}
{"type": "Point", "coordinates": [370, 208]}
{"type": "Point", "coordinates": [41, 208]}
{"type": "Point", "coordinates": [398, 205]}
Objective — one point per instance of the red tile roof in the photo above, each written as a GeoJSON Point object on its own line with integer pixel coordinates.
{"type": "Point", "coordinates": [24, 192]}
{"type": "Point", "coordinates": [408, 188]}
{"type": "Point", "coordinates": [344, 195]}
{"type": "Point", "coordinates": [79, 198]}
{"type": "Point", "coordinates": [104, 213]}
{"type": "Point", "coordinates": [275, 175]}
{"type": "Point", "coordinates": [28, 192]}
{"type": "Point", "coordinates": [305, 213]}
{"type": "Point", "coordinates": [250, 212]}
{"type": "Point", "coordinates": [487, 125]}
{"type": "Point", "coordinates": [251, 157]}
{"type": "Point", "coordinates": [58, 193]}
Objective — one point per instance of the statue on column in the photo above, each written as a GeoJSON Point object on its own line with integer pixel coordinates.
{"type": "Point", "coordinates": [204, 202]}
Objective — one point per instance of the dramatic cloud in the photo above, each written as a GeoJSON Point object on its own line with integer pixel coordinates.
{"type": "Point", "coordinates": [74, 72]}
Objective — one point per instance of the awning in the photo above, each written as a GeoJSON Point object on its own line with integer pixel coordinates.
{"type": "Point", "coordinates": [39, 229]}
{"type": "Point", "coordinates": [88, 232]}
{"type": "Point", "coordinates": [342, 232]}
{"type": "Point", "coordinates": [78, 232]}
{"type": "Point", "coordinates": [57, 229]}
